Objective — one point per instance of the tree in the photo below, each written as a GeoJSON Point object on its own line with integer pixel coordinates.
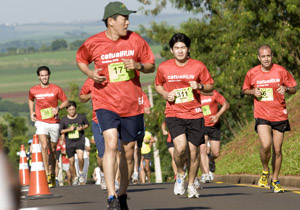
{"type": "Point", "coordinates": [59, 44]}
{"type": "Point", "coordinates": [76, 44]}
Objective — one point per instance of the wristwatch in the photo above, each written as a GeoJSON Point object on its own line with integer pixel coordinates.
{"type": "Point", "coordinates": [287, 89]}
{"type": "Point", "coordinates": [142, 67]}
{"type": "Point", "coordinates": [201, 86]}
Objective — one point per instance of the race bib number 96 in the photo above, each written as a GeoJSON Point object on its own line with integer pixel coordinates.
{"type": "Point", "coordinates": [118, 72]}
{"type": "Point", "coordinates": [184, 95]}
{"type": "Point", "coordinates": [46, 113]}
{"type": "Point", "coordinates": [266, 94]}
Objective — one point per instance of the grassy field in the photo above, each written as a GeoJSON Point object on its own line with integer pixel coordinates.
{"type": "Point", "coordinates": [241, 156]}
{"type": "Point", "coordinates": [18, 72]}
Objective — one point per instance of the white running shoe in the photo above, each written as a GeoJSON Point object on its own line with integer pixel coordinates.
{"type": "Point", "coordinates": [197, 184]}
{"type": "Point", "coordinates": [81, 179]}
{"type": "Point", "coordinates": [203, 177]}
{"type": "Point", "coordinates": [192, 192]}
{"type": "Point", "coordinates": [207, 178]}
{"type": "Point", "coordinates": [117, 185]}
{"type": "Point", "coordinates": [135, 178]}
{"type": "Point", "coordinates": [179, 185]}
{"type": "Point", "coordinates": [211, 175]}
{"type": "Point", "coordinates": [102, 181]}
{"type": "Point", "coordinates": [75, 181]}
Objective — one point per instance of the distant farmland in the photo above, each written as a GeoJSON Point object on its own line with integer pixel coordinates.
{"type": "Point", "coordinates": [18, 72]}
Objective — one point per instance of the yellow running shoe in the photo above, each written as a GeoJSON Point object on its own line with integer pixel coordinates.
{"type": "Point", "coordinates": [276, 187]}
{"type": "Point", "coordinates": [263, 181]}
{"type": "Point", "coordinates": [52, 182]}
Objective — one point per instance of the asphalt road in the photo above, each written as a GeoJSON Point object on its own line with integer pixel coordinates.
{"type": "Point", "coordinates": [218, 196]}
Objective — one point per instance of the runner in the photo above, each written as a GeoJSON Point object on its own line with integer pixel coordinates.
{"type": "Point", "coordinates": [119, 56]}
{"type": "Point", "coordinates": [170, 146]}
{"type": "Point", "coordinates": [209, 102]}
{"type": "Point", "coordinates": [73, 126]}
{"type": "Point", "coordinates": [178, 81]}
{"type": "Point", "coordinates": [64, 163]}
{"type": "Point", "coordinates": [268, 83]}
{"type": "Point", "coordinates": [45, 116]}
{"type": "Point", "coordinates": [86, 160]}
{"type": "Point", "coordinates": [145, 173]}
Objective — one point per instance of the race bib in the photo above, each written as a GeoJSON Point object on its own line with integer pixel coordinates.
{"type": "Point", "coordinates": [266, 94]}
{"type": "Point", "coordinates": [73, 134]}
{"type": "Point", "coordinates": [46, 113]}
{"type": "Point", "coordinates": [206, 110]}
{"type": "Point", "coordinates": [183, 95]}
{"type": "Point", "coordinates": [118, 72]}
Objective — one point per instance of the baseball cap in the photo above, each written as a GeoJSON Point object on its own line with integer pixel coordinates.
{"type": "Point", "coordinates": [116, 7]}
{"type": "Point", "coordinates": [30, 141]}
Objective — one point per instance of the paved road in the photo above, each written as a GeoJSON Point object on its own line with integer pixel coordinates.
{"type": "Point", "coordinates": [218, 196]}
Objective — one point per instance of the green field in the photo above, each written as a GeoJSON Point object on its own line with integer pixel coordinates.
{"type": "Point", "coordinates": [18, 72]}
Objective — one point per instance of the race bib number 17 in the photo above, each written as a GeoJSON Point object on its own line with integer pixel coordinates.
{"type": "Point", "coordinates": [118, 72]}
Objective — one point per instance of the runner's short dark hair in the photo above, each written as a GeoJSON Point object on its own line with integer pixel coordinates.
{"type": "Point", "coordinates": [42, 68]}
{"type": "Point", "coordinates": [71, 103]}
{"type": "Point", "coordinates": [180, 37]}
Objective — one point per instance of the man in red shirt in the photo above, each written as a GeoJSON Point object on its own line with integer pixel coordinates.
{"type": "Point", "coordinates": [268, 83]}
{"type": "Point", "coordinates": [119, 56]}
{"type": "Point", "coordinates": [45, 116]}
{"type": "Point", "coordinates": [211, 112]}
{"type": "Point", "coordinates": [178, 81]}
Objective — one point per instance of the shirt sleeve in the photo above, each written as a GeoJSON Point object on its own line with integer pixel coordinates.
{"type": "Point", "coordinates": [205, 77]}
{"type": "Point", "coordinates": [61, 95]}
{"type": "Point", "coordinates": [159, 77]}
{"type": "Point", "coordinates": [86, 88]}
{"type": "Point", "coordinates": [247, 82]}
{"type": "Point", "coordinates": [83, 55]}
{"type": "Point", "coordinates": [219, 98]}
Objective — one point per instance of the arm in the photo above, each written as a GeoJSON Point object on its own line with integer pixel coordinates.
{"type": "Point", "coordinates": [284, 89]}
{"type": "Point", "coordinates": [255, 92]}
{"type": "Point", "coordinates": [169, 96]}
{"type": "Point", "coordinates": [224, 108]}
{"type": "Point", "coordinates": [163, 128]}
{"type": "Point", "coordinates": [32, 113]}
{"type": "Point", "coordinates": [145, 67]}
{"type": "Point", "coordinates": [207, 88]}
{"type": "Point", "coordinates": [85, 98]}
{"type": "Point", "coordinates": [84, 68]}
{"type": "Point", "coordinates": [63, 105]}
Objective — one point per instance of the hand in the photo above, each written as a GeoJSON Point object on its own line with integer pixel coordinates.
{"type": "Point", "coordinates": [194, 85]}
{"type": "Point", "coordinates": [257, 92]}
{"type": "Point", "coordinates": [54, 110]}
{"type": "Point", "coordinates": [214, 118]}
{"type": "Point", "coordinates": [281, 89]}
{"type": "Point", "coordinates": [94, 75]}
{"type": "Point", "coordinates": [165, 133]}
{"type": "Point", "coordinates": [33, 117]}
{"type": "Point", "coordinates": [170, 96]}
{"type": "Point", "coordinates": [72, 128]}
{"type": "Point", "coordinates": [130, 64]}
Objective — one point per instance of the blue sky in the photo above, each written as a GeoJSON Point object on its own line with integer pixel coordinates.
{"type": "Point", "coordinates": [35, 11]}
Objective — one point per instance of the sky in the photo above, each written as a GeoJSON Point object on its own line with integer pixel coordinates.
{"type": "Point", "coordinates": [51, 11]}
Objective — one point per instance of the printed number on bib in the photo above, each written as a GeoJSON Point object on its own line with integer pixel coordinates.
{"type": "Point", "coordinates": [184, 95]}
{"type": "Point", "coordinates": [266, 94]}
{"type": "Point", "coordinates": [206, 110]}
{"type": "Point", "coordinates": [73, 134]}
{"type": "Point", "coordinates": [118, 72]}
{"type": "Point", "coordinates": [46, 113]}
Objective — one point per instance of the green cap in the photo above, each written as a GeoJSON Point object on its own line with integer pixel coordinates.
{"type": "Point", "coordinates": [116, 7]}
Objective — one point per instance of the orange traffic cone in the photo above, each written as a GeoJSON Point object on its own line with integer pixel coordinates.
{"type": "Point", "coordinates": [38, 181]}
{"type": "Point", "coordinates": [23, 168]}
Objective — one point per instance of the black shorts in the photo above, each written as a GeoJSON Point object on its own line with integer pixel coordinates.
{"type": "Point", "coordinates": [129, 128]}
{"type": "Point", "coordinates": [147, 156]}
{"type": "Point", "coordinates": [72, 146]}
{"type": "Point", "coordinates": [213, 132]}
{"type": "Point", "coordinates": [280, 126]}
{"type": "Point", "coordinates": [192, 128]}
{"type": "Point", "coordinates": [170, 144]}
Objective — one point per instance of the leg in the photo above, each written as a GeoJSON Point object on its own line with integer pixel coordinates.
{"type": "Point", "coordinates": [44, 146]}
{"type": "Point", "coordinates": [277, 155]}
{"type": "Point", "coordinates": [171, 151]}
{"type": "Point", "coordinates": [126, 165]}
{"type": "Point", "coordinates": [110, 159]}
{"type": "Point", "coordinates": [265, 137]}
{"type": "Point", "coordinates": [204, 163]}
{"type": "Point", "coordinates": [72, 167]}
{"type": "Point", "coordinates": [142, 171]}
{"type": "Point", "coordinates": [180, 144]}
{"type": "Point", "coordinates": [194, 162]}
{"type": "Point", "coordinates": [147, 167]}
{"type": "Point", "coordinates": [52, 157]}
{"type": "Point", "coordinates": [215, 150]}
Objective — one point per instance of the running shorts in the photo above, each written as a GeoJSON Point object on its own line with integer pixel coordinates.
{"type": "Point", "coordinates": [213, 132]}
{"type": "Point", "coordinates": [50, 129]}
{"type": "Point", "coordinates": [280, 126]}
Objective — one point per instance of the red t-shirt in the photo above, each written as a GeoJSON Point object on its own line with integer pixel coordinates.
{"type": "Point", "coordinates": [87, 88]}
{"type": "Point", "coordinates": [146, 101]}
{"type": "Point", "coordinates": [62, 148]}
{"type": "Point", "coordinates": [45, 99]}
{"type": "Point", "coordinates": [209, 105]}
{"type": "Point", "coordinates": [171, 76]}
{"type": "Point", "coordinates": [271, 106]}
{"type": "Point", "coordinates": [121, 92]}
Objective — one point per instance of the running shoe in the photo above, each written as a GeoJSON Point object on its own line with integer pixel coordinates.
{"type": "Point", "coordinates": [102, 182]}
{"type": "Point", "coordinates": [197, 184]}
{"type": "Point", "coordinates": [123, 202]}
{"type": "Point", "coordinates": [135, 177]}
{"type": "Point", "coordinates": [179, 185]}
{"type": "Point", "coordinates": [276, 187]}
{"type": "Point", "coordinates": [192, 192]}
{"type": "Point", "coordinates": [117, 185]}
{"type": "Point", "coordinates": [211, 175]}
{"type": "Point", "coordinates": [113, 203]}
{"type": "Point", "coordinates": [75, 181]}
{"type": "Point", "coordinates": [212, 166]}
{"type": "Point", "coordinates": [207, 178]}
{"type": "Point", "coordinates": [81, 179]}
{"type": "Point", "coordinates": [202, 179]}
{"type": "Point", "coordinates": [263, 180]}
{"type": "Point", "coordinates": [52, 183]}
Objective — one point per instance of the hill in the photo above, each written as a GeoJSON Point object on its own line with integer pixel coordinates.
{"type": "Point", "coordinates": [241, 155]}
